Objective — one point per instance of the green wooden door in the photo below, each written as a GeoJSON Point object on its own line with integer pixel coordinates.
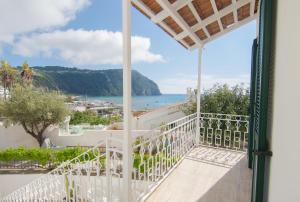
{"type": "Point", "coordinates": [261, 93]}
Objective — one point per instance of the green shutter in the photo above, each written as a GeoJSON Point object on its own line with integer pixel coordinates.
{"type": "Point", "coordinates": [260, 115]}
{"type": "Point", "coordinates": [252, 101]}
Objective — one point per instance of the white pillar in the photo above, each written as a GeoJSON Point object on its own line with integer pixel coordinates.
{"type": "Point", "coordinates": [198, 95]}
{"type": "Point", "coordinates": [127, 147]}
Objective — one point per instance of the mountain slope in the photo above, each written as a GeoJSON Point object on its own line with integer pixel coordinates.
{"type": "Point", "coordinates": [91, 82]}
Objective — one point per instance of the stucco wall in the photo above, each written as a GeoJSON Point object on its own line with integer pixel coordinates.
{"type": "Point", "coordinates": [283, 180]}
{"type": "Point", "coordinates": [89, 138]}
{"type": "Point", "coordinates": [154, 118]}
{"type": "Point", "coordinates": [15, 136]}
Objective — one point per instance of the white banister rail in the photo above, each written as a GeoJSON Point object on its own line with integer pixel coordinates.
{"type": "Point", "coordinates": [224, 130]}
{"type": "Point", "coordinates": [88, 177]}
{"type": "Point", "coordinates": [155, 156]}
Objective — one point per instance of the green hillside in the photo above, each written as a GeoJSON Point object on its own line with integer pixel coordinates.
{"type": "Point", "coordinates": [91, 82]}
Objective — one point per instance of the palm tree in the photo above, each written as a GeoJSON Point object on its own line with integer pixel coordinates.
{"type": "Point", "coordinates": [7, 75]}
{"type": "Point", "coordinates": [26, 74]}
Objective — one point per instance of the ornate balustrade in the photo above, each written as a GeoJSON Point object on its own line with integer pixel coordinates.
{"type": "Point", "coordinates": [155, 156]}
{"type": "Point", "coordinates": [69, 182]}
{"type": "Point", "coordinates": [224, 130]}
{"type": "Point", "coordinates": [96, 175]}
{"type": "Point", "coordinates": [173, 124]}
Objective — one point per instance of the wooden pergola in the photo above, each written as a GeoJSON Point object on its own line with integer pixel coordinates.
{"type": "Point", "coordinates": [192, 23]}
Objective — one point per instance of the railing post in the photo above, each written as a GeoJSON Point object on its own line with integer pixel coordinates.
{"type": "Point", "coordinates": [108, 176]}
{"type": "Point", "coordinates": [127, 146]}
{"type": "Point", "coordinates": [198, 96]}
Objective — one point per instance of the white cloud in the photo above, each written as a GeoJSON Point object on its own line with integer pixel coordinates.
{"type": "Point", "coordinates": [83, 47]}
{"type": "Point", "coordinates": [23, 16]}
{"type": "Point", "coordinates": [180, 82]}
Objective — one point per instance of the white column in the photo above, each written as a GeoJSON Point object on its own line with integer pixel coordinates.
{"type": "Point", "coordinates": [198, 95]}
{"type": "Point", "coordinates": [127, 147]}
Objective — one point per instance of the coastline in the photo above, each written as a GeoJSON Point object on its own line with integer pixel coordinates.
{"type": "Point", "coordinates": [141, 103]}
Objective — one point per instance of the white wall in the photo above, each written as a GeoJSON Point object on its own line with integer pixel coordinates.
{"type": "Point", "coordinates": [15, 136]}
{"type": "Point", "coordinates": [154, 118]}
{"type": "Point", "coordinates": [284, 177]}
{"type": "Point", "coordinates": [89, 137]}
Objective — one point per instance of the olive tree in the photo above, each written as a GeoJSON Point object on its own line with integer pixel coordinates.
{"type": "Point", "coordinates": [222, 99]}
{"type": "Point", "coordinates": [34, 109]}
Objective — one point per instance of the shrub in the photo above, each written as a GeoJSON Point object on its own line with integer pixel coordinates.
{"type": "Point", "coordinates": [222, 99]}
{"type": "Point", "coordinates": [40, 155]}
{"type": "Point", "coordinates": [92, 118]}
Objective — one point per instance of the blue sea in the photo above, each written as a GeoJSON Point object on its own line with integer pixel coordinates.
{"type": "Point", "coordinates": [144, 102]}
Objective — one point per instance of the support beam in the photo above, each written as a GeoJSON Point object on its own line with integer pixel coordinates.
{"type": "Point", "coordinates": [223, 12]}
{"type": "Point", "coordinates": [127, 145]}
{"type": "Point", "coordinates": [155, 18]}
{"type": "Point", "coordinates": [174, 14]}
{"type": "Point", "coordinates": [252, 7]}
{"type": "Point", "coordinates": [231, 28]}
{"type": "Point", "coordinates": [234, 11]}
{"type": "Point", "coordinates": [198, 95]}
{"type": "Point", "coordinates": [216, 13]}
{"type": "Point", "coordinates": [193, 10]}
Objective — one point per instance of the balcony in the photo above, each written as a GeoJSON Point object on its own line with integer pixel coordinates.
{"type": "Point", "coordinates": [171, 163]}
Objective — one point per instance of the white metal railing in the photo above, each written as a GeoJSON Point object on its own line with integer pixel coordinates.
{"type": "Point", "coordinates": [92, 176]}
{"type": "Point", "coordinates": [155, 156]}
{"type": "Point", "coordinates": [224, 130]}
{"type": "Point", "coordinates": [96, 175]}
{"type": "Point", "coordinates": [173, 124]}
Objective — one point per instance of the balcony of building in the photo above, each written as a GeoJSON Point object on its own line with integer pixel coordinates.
{"type": "Point", "coordinates": [171, 163]}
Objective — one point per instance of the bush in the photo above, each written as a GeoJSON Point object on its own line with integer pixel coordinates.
{"type": "Point", "coordinates": [92, 118]}
{"type": "Point", "coordinates": [40, 155]}
{"type": "Point", "coordinates": [223, 100]}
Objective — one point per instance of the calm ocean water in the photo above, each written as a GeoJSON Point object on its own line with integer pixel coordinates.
{"type": "Point", "coordinates": [145, 102]}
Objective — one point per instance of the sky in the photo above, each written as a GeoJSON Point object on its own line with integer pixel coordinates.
{"type": "Point", "coordinates": [88, 34]}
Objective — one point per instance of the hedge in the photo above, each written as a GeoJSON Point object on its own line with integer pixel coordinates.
{"type": "Point", "coordinates": [40, 155]}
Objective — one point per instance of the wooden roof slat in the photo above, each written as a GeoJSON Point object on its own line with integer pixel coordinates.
{"type": "Point", "coordinates": [182, 44]}
{"type": "Point", "coordinates": [189, 41]}
{"type": "Point", "coordinates": [213, 28]}
{"type": "Point", "coordinates": [165, 30]}
{"type": "Point", "coordinates": [227, 20]}
{"type": "Point", "coordinates": [186, 13]}
{"type": "Point", "coordinates": [172, 1]}
{"type": "Point", "coordinates": [194, 23]}
{"type": "Point", "coordinates": [170, 22]}
{"type": "Point", "coordinates": [153, 5]}
{"type": "Point", "coordinates": [203, 8]}
{"type": "Point", "coordinates": [222, 3]}
{"type": "Point", "coordinates": [243, 12]}
{"type": "Point", "coordinates": [256, 6]}
{"type": "Point", "coordinates": [201, 34]}
{"type": "Point", "coordinates": [139, 9]}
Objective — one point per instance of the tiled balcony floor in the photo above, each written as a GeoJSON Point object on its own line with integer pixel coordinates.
{"type": "Point", "coordinates": [201, 169]}
{"type": "Point", "coordinates": [215, 156]}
